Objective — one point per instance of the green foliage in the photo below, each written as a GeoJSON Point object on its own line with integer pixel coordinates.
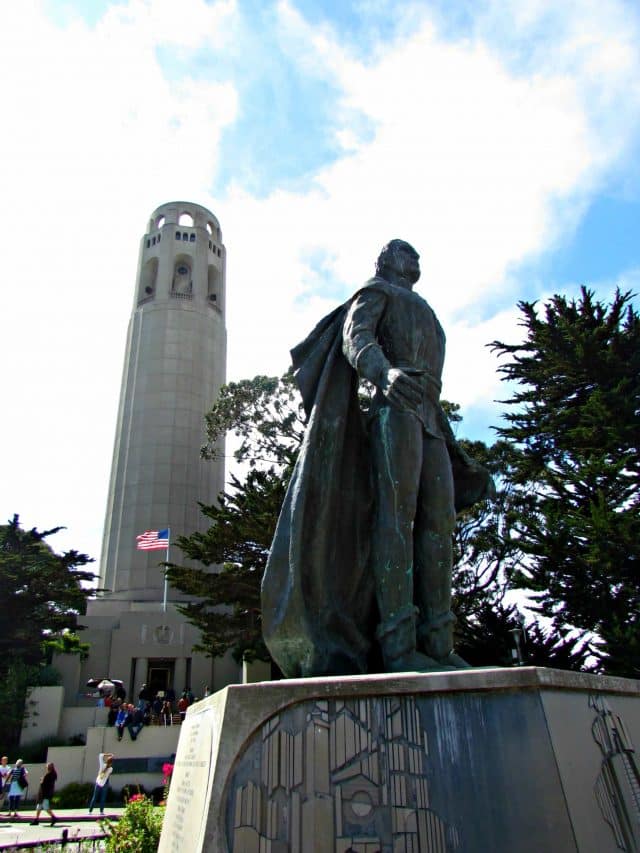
{"type": "Point", "coordinates": [266, 415]}
{"type": "Point", "coordinates": [41, 594]}
{"type": "Point", "coordinates": [67, 643]}
{"type": "Point", "coordinates": [486, 550]}
{"type": "Point", "coordinates": [138, 830]}
{"type": "Point", "coordinates": [43, 591]}
{"type": "Point", "coordinates": [47, 676]}
{"type": "Point", "coordinates": [75, 795]}
{"type": "Point", "coordinates": [228, 610]}
{"type": "Point", "coordinates": [574, 418]}
{"type": "Point", "coordinates": [487, 554]}
{"type": "Point", "coordinates": [18, 677]}
{"type": "Point", "coordinates": [488, 640]}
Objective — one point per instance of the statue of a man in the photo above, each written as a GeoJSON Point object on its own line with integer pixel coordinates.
{"type": "Point", "coordinates": [359, 575]}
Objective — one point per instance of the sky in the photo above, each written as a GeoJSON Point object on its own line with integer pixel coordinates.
{"type": "Point", "coordinates": [502, 139]}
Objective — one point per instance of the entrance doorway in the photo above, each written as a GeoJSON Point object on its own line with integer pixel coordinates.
{"type": "Point", "coordinates": [160, 675]}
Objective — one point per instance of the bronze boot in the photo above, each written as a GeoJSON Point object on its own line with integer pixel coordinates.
{"type": "Point", "coordinates": [397, 638]}
{"type": "Point", "coordinates": [436, 638]}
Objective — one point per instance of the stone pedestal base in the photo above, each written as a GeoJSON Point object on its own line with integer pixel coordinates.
{"type": "Point", "coordinates": [480, 761]}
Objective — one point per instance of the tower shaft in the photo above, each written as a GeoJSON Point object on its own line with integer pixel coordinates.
{"type": "Point", "coordinates": [174, 366]}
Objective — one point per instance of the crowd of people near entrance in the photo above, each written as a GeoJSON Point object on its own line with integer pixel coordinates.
{"type": "Point", "coordinates": [159, 708]}
{"type": "Point", "coordinates": [14, 783]}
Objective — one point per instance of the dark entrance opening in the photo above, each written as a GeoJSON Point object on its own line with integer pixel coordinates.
{"type": "Point", "coordinates": [160, 675]}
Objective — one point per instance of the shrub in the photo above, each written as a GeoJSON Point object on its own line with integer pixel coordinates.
{"type": "Point", "coordinates": [48, 676]}
{"type": "Point", "coordinates": [74, 795]}
{"type": "Point", "coordinates": [138, 830]}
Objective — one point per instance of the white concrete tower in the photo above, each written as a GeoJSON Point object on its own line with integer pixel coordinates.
{"type": "Point", "coordinates": [174, 366]}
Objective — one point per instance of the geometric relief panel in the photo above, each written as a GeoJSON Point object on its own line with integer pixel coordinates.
{"type": "Point", "coordinates": [617, 787]}
{"type": "Point", "coordinates": [343, 775]}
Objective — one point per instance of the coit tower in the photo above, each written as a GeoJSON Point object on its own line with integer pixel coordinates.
{"type": "Point", "coordinates": [175, 363]}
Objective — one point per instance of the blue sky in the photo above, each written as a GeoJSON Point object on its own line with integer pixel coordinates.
{"type": "Point", "coordinates": [501, 138]}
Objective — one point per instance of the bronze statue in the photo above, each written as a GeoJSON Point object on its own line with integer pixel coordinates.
{"type": "Point", "coordinates": [359, 574]}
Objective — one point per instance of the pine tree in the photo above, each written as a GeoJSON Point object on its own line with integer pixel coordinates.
{"type": "Point", "coordinates": [228, 610]}
{"type": "Point", "coordinates": [487, 553]}
{"type": "Point", "coordinates": [265, 415]}
{"type": "Point", "coordinates": [42, 595]}
{"type": "Point", "coordinates": [574, 418]}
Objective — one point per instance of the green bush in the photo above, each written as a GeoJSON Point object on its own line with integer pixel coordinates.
{"type": "Point", "coordinates": [73, 796]}
{"type": "Point", "coordinates": [138, 830]}
{"type": "Point", "coordinates": [48, 676]}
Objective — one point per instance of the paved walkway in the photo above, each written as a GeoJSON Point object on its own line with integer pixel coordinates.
{"type": "Point", "coordinates": [77, 822]}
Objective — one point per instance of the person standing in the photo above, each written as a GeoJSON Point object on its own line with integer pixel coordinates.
{"type": "Point", "coordinates": [144, 696]}
{"type": "Point", "coordinates": [166, 713]}
{"type": "Point", "coordinates": [45, 793]}
{"type": "Point", "coordinates": [105, 763]}
{"type": "Point", "coordinates": [18, 783]}
{"type": "Point", "coordinates": [5, 770]}
{"type": "Point", "coordinates": [183, 704]}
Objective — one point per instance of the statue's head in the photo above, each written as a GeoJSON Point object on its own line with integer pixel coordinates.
{"type": "Point", "coordinates": [398, 261]}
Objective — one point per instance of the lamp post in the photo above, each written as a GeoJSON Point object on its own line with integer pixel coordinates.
{"type": "Point", "coordinates": [518, 635]}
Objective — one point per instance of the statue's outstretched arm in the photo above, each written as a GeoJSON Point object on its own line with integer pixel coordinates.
{"type": "Point", "coordinates": [363, 351]}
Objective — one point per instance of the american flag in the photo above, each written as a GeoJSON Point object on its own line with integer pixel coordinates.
{"type": "Point", "coordinates": [153, 540]}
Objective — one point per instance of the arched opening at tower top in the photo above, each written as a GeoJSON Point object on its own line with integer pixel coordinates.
{"type": "Point", "coordinates": [214, 287]}
{"type": "Point", "coordinates": [181, 283]}
{"type": "Point", "coordinates": [186, 219]}
{"type": "Point", "coordinates": [160, 221]}
{"type": "Point", "coordinates": [148, 279]}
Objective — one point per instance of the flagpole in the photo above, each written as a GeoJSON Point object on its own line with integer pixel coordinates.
{"type": "Point", "coordinates": [164, 600]}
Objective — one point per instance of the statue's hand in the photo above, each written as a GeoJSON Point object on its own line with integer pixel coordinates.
{"type": "Point", "coordinates": [401, 390]}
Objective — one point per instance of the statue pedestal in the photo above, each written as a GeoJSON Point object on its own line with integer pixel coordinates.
{"type": "Point", "coordinates": [480, 761]}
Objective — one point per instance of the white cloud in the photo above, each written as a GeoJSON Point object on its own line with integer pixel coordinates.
{"type": "Point", "coordinates": [480, 165]}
